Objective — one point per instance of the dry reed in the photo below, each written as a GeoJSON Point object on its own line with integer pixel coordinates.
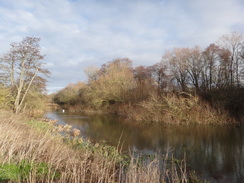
{"type": "Point", "coordinates": [21, 142]}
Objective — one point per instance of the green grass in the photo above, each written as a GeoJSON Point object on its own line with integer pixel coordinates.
{"type": "Point", "coordinates": [40, 125]}
{"type": "Point", "coordinates": [99, 149]}
{"type": "Point", "coordinates": [9, 172]}
{"type": "Point", "coordinates": [20, 171]}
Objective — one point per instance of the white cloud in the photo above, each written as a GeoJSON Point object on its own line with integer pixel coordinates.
{"type": "Point", "coordinates": [79, 33]}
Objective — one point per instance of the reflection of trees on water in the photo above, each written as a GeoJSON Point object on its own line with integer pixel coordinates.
{"type": "Point", "coordinates": [211, 150]}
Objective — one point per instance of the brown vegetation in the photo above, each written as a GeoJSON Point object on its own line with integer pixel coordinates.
{"type": "Point", "coordinates": [175, 109]}
{"type": "Point", "coordinates": [30, 153]}
{"type": "Point", "coordinates": [179, 90]}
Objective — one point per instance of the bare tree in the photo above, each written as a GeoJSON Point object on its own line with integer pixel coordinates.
{"type": "Point", "coordinates": [159, 75]}
{"type": "Point", "coordinates": [233, 43]}
{"type": "Point", "coordinates": [210, 62]}
{"type": "Point", "coordinates": [242, 64]}
{"type": "Point", "coordinates": [24, 69]}
{"type": "Point", "coordinates": [142, 74]}
{"type": "Point", "coordinates": [92, 73]}
{"type": "Point", "coordinates": [225, 76]}
{"type": "Point", "coordinates": [177, 63]}
{"type": "Point", "coordinates": [194, 66]}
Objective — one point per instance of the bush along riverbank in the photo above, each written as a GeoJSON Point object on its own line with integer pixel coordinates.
{"type": "Point", "coordinates": [173, 108]}
{"type": "Point", "coordinates": [30, 151]}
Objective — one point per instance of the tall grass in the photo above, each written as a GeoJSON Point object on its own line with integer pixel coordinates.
{"type": "Point", "coordinates": [31, 153]}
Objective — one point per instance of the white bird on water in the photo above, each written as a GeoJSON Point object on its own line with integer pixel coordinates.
{"type": "Point", "coordinates": [63, 110]}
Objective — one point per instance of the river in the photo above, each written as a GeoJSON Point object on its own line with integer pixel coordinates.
{"type": "Point", "coordinates": [214, 152]}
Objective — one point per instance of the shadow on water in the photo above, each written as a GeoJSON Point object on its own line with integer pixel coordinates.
{"type": "Point", "coordinates": [216, 153]}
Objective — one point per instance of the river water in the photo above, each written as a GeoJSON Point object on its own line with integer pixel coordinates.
{"type": "Point", "coordinates": [215, 153]}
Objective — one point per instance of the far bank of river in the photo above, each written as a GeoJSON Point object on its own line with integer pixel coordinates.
{"type": "Point", "coordinates": [214, 152]}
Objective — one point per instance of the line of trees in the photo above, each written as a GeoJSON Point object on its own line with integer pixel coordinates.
{"type": "Point", "coordinates": [185, 80]}
{"type": "Point", "coordinates": [22, 75]}
{"type": "Point", "coordinates": [219, 66]}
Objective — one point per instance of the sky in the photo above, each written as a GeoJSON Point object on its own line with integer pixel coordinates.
{"type": "Point", "coordinates": [76, 34]}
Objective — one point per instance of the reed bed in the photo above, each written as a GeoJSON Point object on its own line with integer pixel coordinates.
{"type": "Point", "coordinates": [32, 154]}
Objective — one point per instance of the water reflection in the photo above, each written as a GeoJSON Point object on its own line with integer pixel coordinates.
{"type": "Point", "coordinates": [217, 153]}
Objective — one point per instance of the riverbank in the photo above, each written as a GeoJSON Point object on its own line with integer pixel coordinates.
{"type": "Point", "coordinates": [169, 108]}
{"type": "Point", "coordinates": [176, 109]}
{"type": "Point", "coordinates": [158, 93]}
{"type": "Point", "coordinates": [31, 152]}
